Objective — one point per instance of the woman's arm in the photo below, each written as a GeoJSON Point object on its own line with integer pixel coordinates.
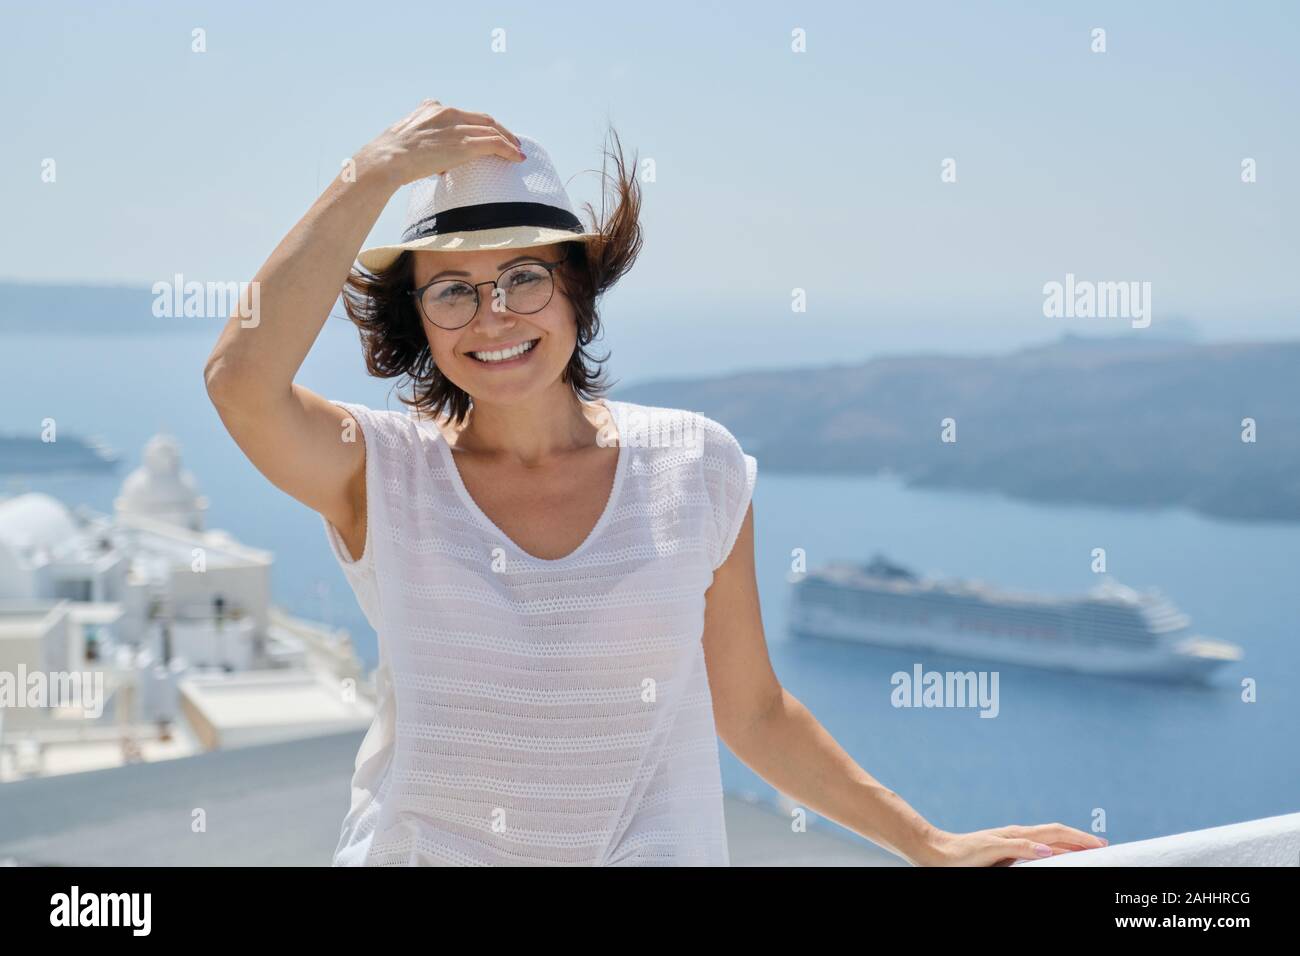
{"type": "Point", "coordinates": [780, 740]}
{"type": "Point", "coordinates": [293, 436]}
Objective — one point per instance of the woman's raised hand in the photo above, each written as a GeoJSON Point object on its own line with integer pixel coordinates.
{"type": "Point", "coordinates": [432, 139]}
{"type": "Point", "coordinates": [294, 436]}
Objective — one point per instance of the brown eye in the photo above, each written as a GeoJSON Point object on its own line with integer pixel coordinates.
{"type": "Point", "coordinates": [452, 292]}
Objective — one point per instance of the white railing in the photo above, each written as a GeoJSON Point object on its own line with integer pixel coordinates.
{"type": "Point", "coordinates": [1269, 841]}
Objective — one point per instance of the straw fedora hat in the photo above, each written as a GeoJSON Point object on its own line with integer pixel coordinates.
{"type": "Point", "coordinates": [486, 203]}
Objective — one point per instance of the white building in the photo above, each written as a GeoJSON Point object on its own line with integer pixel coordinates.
{"type": "Point", "coordinates": [161, 489]}
{"type": "Point", "coordinates": [168, 631]}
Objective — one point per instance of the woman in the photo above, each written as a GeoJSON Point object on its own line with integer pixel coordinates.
{"type": "Point", "coordinates": [548, 571]}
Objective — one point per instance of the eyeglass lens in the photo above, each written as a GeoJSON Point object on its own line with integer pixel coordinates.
{"type": "Point", "coordinates": [524, 289]}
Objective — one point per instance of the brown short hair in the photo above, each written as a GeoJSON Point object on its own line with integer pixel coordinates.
{"type": "Point", "coordinates": [392, 330]}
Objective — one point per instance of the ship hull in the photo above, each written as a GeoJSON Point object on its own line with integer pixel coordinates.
{"type": "Point", "coordinates": [1153, 662]}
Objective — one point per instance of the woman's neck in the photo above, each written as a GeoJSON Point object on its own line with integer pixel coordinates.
{"type": "Point", "coordinates": [532, 432]}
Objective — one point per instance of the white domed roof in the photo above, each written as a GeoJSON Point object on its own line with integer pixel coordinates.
{"type": "Point", "coordinates": [160, 486]}
{"type": "Point", "coordinates": [35, 522]}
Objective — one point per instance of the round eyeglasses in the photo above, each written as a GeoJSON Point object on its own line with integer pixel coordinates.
{"type": "Point", "coordinates": [523, 289]}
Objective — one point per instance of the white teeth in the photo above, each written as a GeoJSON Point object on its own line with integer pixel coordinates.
{"type": "Point", "coordinates": [505, 354]}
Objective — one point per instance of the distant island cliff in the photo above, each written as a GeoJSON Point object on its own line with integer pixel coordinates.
{"type": "Point", "coordinates": [1103, 421]}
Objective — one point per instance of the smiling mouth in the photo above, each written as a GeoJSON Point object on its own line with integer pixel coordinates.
{"type": "Point", "coordinates": [504, 355]}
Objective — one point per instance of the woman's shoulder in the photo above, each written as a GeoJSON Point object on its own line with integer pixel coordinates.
{"type": "Point", "coordinates": [386, 416]}
{"type": "Point", "coordinates": [400, 430]}
{"type": "Point", "coordinates": [660, 426]}
{"type": "Point", "coordinates": [404, 419]}
{"type": "Point", "coordinates": [697, 456]}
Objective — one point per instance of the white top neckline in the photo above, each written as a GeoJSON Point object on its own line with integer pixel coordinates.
{"type": "Point", "coordinates": [611, 502]}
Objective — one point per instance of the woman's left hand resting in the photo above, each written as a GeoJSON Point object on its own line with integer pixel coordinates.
{"type": "Point", "coordinates": [1003, 846]}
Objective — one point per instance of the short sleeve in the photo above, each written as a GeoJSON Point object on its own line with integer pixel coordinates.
{"type": "Point", "coordinates": [389, 438]}
{"type": "Point", "coordinates": [360, 572]}
{"type": "Point", "coordinates": [730, 474]}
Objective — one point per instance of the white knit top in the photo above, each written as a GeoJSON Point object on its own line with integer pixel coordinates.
{"type": "Point", "coordinates": [532, 711]}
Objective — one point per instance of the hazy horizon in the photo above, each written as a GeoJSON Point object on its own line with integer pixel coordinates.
{"type": "Point", "coordinates": [645, 347]}
{"type": "Point", "coordinates": [819, 171]}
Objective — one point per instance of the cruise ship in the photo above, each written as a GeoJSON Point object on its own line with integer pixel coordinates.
{"type": "Point", "coordinates": [29, 454]}
{"type": "Point", "coordinates": [1113, 630]}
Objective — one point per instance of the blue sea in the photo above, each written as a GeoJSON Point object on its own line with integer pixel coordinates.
{"type": "Point", "coordinates": [1155, 759]}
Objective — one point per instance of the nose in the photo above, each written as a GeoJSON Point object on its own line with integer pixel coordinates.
{"type": "Point", "coordinates": [487, 318]}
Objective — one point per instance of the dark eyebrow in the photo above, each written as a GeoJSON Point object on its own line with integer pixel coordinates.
{"type": "Point", "coordinates": [505, 265]}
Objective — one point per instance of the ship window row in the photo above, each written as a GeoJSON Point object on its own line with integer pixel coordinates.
{"type": "Point", "coordinates": [1013, 621]}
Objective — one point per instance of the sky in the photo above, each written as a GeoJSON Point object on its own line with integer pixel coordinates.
{"type": "Point", "coordinates": [774, 170]}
